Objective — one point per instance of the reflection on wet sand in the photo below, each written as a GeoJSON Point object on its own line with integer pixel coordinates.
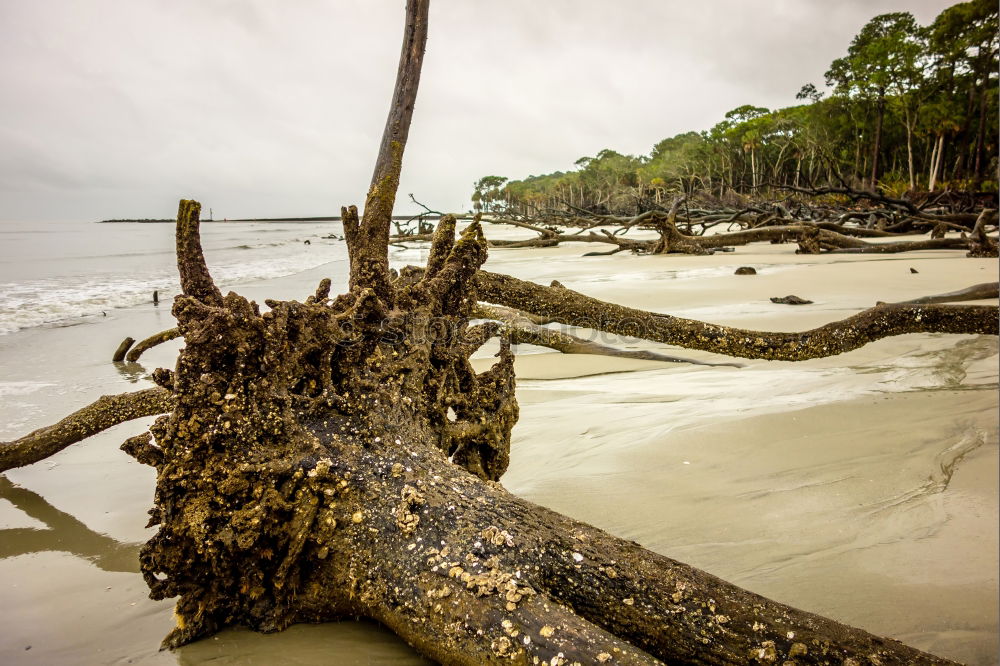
{"type": "Point", "coordinates": [132, 372]}
{"type": "Point", "coordinates": [347, 643]}
{"type": "Point", "coordinates": [65, 533]}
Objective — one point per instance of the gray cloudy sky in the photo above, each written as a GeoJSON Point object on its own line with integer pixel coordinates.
{"type": "Point", "coordinates": [118, 108]}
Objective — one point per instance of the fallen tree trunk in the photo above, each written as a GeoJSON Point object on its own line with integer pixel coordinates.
{"type": "Point", "coordinates": [519, 328]}
{"type": "Point", "coordinates": [570, 307]}
{"type": "Point", "coordinates": [339, 458]}
{"type": "Point", "coordinates": [324, 479]}
{"type": "Point", "coordinates": [976, 292]}
{"type": "Point", "coordinates": [903, 246]}
{"type": "Point", "coordinates": [120, 352]}
{"type": "Point", "coordinates": [348, 475]}
{"type": "Point", "coordinates": [812, 237]}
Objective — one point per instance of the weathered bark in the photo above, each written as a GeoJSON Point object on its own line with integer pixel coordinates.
{"type": "Point", "coordinates": [339, 458]}
{"type": "Point", "coordinates": [544, 241]}
{"type": "Point", "coordinates": [570, 307]}
{"type": "Point", "coordinates": [981, 245]}
{"type": "Point", "coordinates": [976, 292]}
{"type": "Point", "coordinates": [107, 411]}
{"type": "Point", "coordinates": [122, 349]}
{"type": "Point", "coordinates": [150, 342]}
{"type": "Point", "coordinates": [410, 238]}
{"type": "Point", "coordinates": [332, 459]}
{"type": "Point", "coordinates": [304, 475]}
{"type": "Point", "coordinates": [367, 238]}
{"type": "Point", "coordinates": [903, 246]}
{"type": "Point", "coordinates": [519, 327]}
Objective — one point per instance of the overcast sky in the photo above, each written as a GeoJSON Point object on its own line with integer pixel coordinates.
{"type": "Point", "coordinates": [118, 108]}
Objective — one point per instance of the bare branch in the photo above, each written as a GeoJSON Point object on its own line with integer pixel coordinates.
{"type": "Point", "coordinates": [369, 249]}
{"type": "Point", "coordinates": [570, 307]}
{"type": "Point", "coordinates": [196, 281]}
{"type": "Point", "coordinates": [521, 329]}
{"type": "Point", "coordinates": [123, 348]}
{"type": "Point", "coordinates": [152, 341]}
{"type": "Point", "coordinates": [976, 292]}
{"type": "Point", "coordinates": [107, 411]}
{"type": "Point", "coordinates": [429, 211]}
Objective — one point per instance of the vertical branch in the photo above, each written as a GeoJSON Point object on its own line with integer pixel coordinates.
{"type": "Point", "coordinates": [369, 257]}
{"type": "Point", "coordinates": [441, 245]}
{"type": "Point", "coordinates": [195, 278]}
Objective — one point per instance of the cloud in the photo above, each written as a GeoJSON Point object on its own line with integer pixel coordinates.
{"type": "Point", "coordinates": [275, 109]}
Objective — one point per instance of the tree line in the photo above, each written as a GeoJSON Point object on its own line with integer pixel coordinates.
{"type": "Point", "coordinates": [908, 108]}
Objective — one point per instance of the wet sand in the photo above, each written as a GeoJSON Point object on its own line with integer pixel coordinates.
{"type": "Point", "coordinates": [863, 486]}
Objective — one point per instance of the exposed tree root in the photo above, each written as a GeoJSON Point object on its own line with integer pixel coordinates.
{"type": "Point", "coordinates": [310, 471]}
{"type": "Point", "coordinates": [339, 457]}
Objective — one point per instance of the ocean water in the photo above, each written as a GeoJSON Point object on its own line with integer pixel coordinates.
{"type": "Point", "coordinates": [55, 273]}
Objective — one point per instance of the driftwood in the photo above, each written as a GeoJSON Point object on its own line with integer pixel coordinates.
{"type": "Point", "coordinates": [150, 342]}
{"type": "Point", "coordinates": [981, 245]}
{"type": "Point", "coordinates": [341, 488]}
{"type": "Point", "coordinates": [570, 307]}
{"type": "Point", "coordinates": [976, 292]}
{"type": "Point", "coordinates": [905, 246]}
{"type": "Point", "coordinates": [791, 299]}
{"type": "Point", "coordinates": [899, 204]}
{"type": "Point", "coordinates": [814, 229]}
{"type": "Point", "coordinates": [811, 238]}
{"type": "Point", "coordinates": [107, 411]}
{"type": "Point", "coordinates": [339, 458]}
{"type": "Point", "coordinates": [123, 348]}
{"type": "Point", "coordinates": [520, 327]}
{"type": "Point", "coordinates": [313, 481]}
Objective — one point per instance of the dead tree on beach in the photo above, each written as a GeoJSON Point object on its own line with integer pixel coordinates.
{"type": "Point", "coordinates": [815, 229]}
{"type": "Point", "coordinates": [812, 237]}
{"type": "Point", "coordinates": [339, 458]}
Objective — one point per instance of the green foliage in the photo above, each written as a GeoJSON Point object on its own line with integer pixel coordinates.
{"type": "Point", "coordinates": [488, 195]}
{"type": "Point", "coordinates": [918, 99]}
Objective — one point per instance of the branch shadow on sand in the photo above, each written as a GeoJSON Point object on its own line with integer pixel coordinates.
{"type": "Point", "coordinates": [65, 534]}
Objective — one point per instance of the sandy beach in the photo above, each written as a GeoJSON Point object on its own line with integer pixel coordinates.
{"type": "Point", "coordinates": [863, 487]}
